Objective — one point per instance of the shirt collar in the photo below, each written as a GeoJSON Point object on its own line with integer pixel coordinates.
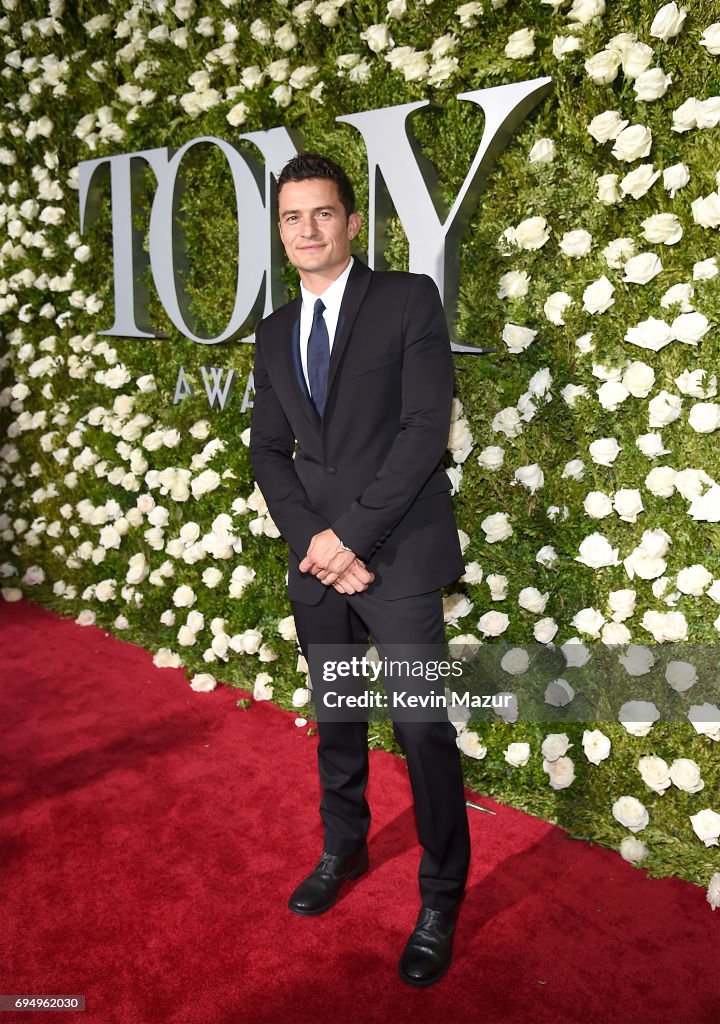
{"type": "Point", "coordinates": [333, 292]}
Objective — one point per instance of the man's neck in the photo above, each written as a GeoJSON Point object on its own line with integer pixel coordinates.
{"type": "Point", "coordinates": [319, 283]}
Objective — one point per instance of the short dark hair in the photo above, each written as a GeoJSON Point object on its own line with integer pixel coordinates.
{"type": "Point", "coordinates": [315, 165]}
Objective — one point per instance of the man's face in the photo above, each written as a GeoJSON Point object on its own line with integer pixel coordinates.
{"type": "Point", "coordinates": [314, 227]}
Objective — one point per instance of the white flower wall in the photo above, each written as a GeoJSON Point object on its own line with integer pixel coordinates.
{"type": "Point", "coordinates": [583, 450]}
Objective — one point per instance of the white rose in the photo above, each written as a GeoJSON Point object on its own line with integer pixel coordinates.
{"type": "Point", "coordinates": [469, 743]}
{"type": "Point", "coordinates": [660, 481]}
{"type": "Point", "coordinates": [607, 189]}
{"type": "Point", "coordinates": [633, 850]}
{"type": "Point", "coordinates": [498, 586]}
{"type": "Point", "coordinates": [604, 450]}
{"type": "Point", "coordinates": [562, 45]}
{"type": "Point", "coordinates": [596, 745]}
{"type": "Point", "coordinates": [517, 338]}
{"type": "Point", "coordinates": [710, 39]}
{"type": "Point", "coordinates": [559, 693]}
{"type": "Point", "coordinates": [675, 177]}
{"type": "Point", "coordinates": [491, 457]}
{"type": "Point", "coordinates": [493, 623]}
{"type": "Point", "coordinates": [456, 606]}
{"type": "Point", "coordinates": [636, 58]}
{"type": "Point", "coordinates": [651, 445]}
{"type": "Point", "coordinates": [496, 527]}
{"type": "Point", "coordinates": [571, 392]}
{"type": "Point", "coordinates": [473, 573]}
{"type": "Point", "coordinates": [547, 556]}
{"type": "Point", "coordinates": [639, 181]}
{"type": "Point", "coordinates": [555, 306]}
{"type": "Point", "coordinates": [668, 21]}
{"type": "Point", "coordinates": [632, 143]}
{"type": "Point", "coordinates": [542, 152]}
{"type": "Point", "coordinates": [583, 11]}
{"type": "Point", "coordinates": [184, 597]}
{"type": "Point", "coordinates": [203, 682]}
{"type": "Point", "coordinates": [517, 754]}
{"type": "Point", "coordinates": [262, 689]}
{"type": "Point", "coordinates": [532, 600]}
{"type": "Point", "coordinates": [622, 603]}
{"type": "Point", "coordinates": [596, 552]}
{"type": "Point", "coordinates": [574, 470]}
{"type": "Point", "coordinates": [706, 825]}
{"type": "Point", "coordinates": [638, 378]}
{"type": "Point", "coordinates": [705, 719]}
{"type": "Point", "coordinates": [638, 716]}
{"type": "Point", "coordinates": [662, 227]}
{"type": "Point", "coordinates": [685, 774]}
{"type": "Point", "coordinates": [714, 884]}
{"type": "Point", "coordinates": [615, 634]}
{"type": "Point", "coordinates": [531, 233]}
{"type": "Point", "coordinates": [555, 745]}
{"type": "Point", "coordinates": [545, 630]}
{"type": "Point", "coordinates": [598, 296]}
{"type": "Point", "coordinates": [680, 675]}
{"type": "Point", "coordinates": [628, 504]}
{"type": "Point", "coordinates": [515, 661]}
{"type": "Point", "coordinates": [514, 284]}
{"type": "Point", "coordinates": [651, 85]}
{"type": "Point", "coordinates": [678, 294]}
{"type": "Point", "coordinates": [520, 44]}
{"type": "Point", "coordinates": [694, 580]}
{"type": "Point", "coordinates": [606, 126]}
{"type": "Point", "coordinates": [531, 477]}
{"type": "Point", "coordinates": [642, 268]}
{"type": "Point", "coordinates": [602, 68]}
{"type": "Point", "coordinates": [377, 37]}
{"type": "Point", "coordinates": [690, 382]}
{"type": "Point", "coordinates": [508, 422]}
{"type": "Point", "coordinates": [612, 394]}
{"type": "Point", "coordinates": [655, 773]}
{"type": "Point", "coordinates": [575, 243]}
{"type": "Point", "coordinates": [705, 270]}
{"type": "Point", "coordinates": [664, 408]}
{"type": "Point", "coordinates": [652, 334]}
{"type": "Point", "coordinates": [561, 772]}
{"type": "Point", "coordinates": [690, 327]}
{"type": "Point", "coordinates": [637, 660]}
{"type": "Point", "coordinates": [588, 620]}
{"type": "Point", "coordinates": [704, 417]}
{"type": "Point", "coordinates": [630, 813]}
{"type": "Point", "coordinates": [706, 210]}
{"type": "Point", "coordinates": [618, 251]}
{"type": "Point", "coordinates": [706, 508]}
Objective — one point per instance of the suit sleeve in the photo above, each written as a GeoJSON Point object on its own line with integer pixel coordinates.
{"type": "Point", "coordinates": [421, 441]}
{"type": "Point", "coordinates": [272, 443]}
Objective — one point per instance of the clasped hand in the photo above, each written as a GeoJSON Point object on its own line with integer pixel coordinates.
{"type": "Point", "coordinates": [333, 566]}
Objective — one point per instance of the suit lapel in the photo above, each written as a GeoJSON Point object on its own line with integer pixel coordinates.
{"type": "Point", "coordinates": [357, 285]}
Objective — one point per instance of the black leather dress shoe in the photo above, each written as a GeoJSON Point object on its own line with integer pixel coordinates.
{"type": "Point", "coordinates": [320, 889]}
{"type": "Point", "coordinates": [428, 952]}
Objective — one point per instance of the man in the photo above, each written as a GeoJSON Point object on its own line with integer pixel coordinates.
{"type": "Point", "coordinates": [358, 372]}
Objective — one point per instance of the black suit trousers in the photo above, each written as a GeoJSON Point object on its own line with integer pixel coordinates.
{"type": "Point", "coordinates": [430, 747]}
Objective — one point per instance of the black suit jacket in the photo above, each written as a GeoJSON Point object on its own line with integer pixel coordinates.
{"type": "Point", "coordinates": [372, 468]}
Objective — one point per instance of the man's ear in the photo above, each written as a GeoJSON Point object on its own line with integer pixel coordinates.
{"type": "Point", "coordinates": [354, 224]}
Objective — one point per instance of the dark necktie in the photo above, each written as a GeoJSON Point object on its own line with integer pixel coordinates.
{"type": "Point", "coordinates": [318, 356]}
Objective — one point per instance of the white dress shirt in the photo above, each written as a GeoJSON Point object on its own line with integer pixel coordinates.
{"type": "Point", "coordinates": [332, 297]}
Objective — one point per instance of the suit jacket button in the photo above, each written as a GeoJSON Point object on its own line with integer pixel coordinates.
{"type": "Point", "coordinates": [331, 469]}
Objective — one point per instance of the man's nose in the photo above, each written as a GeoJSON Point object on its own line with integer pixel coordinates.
{"type": "Point", "coordinates": [308, 226]}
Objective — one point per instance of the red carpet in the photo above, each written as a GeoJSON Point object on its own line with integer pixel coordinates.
{"type": "Point", "coordinates": [151, 836]}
